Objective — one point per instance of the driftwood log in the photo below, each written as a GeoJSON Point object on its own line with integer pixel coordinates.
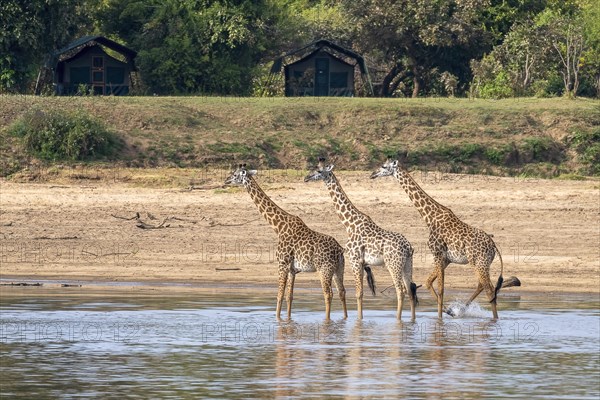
{"type": "Point", "coordinates": [163, 224]}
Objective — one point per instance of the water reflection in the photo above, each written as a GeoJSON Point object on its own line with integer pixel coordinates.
{"type": "Point", "coordinates": [213, 345]}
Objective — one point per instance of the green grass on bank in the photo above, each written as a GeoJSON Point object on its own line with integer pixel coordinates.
{"type": "Point", "coordinates": [524, 136]}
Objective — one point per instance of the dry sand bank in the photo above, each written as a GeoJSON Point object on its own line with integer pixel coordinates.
{"type": "Point", "coordinates": [547, 230]}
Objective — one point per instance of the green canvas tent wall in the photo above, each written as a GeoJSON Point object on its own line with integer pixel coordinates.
{"type": "Point", "coordinates": [84, 63]}
{"type": "Point", "coordinates": [324, 69]}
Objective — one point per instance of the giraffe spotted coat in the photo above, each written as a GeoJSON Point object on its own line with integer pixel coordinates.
{"type": "Point", "coordinates": [369, 244]}
{"type": "Point", "coordinates": [450, 239]}
{"type": "Point", "coordinates": [299, 248]}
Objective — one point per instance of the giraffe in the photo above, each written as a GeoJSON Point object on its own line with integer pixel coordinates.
{"type": "Point", "coordinates": [299, 248]}
{"type": "Point", "coordinates": [370, 245]}
{"type": "Point", "coordinates": [450, 240]}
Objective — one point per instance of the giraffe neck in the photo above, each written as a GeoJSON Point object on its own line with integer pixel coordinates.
{"type": "Point", "coordinates": [347, 211]}
{"type": "Point", "coordinates": [272, 213]}
{"type": "Point", "coordinates": [425, 204]}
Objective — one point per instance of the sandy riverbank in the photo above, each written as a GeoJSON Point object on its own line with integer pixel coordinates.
{"type": "Point", "coordinates": [547, 230]}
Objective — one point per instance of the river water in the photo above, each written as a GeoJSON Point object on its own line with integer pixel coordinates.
{"type": "Point", "coordinates": [86, 343]}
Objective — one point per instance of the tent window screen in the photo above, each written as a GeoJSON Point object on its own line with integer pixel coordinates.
{"type": "Point", "coordinates": [338, 80]}
{"type": "Point", "coordinates": [98, 62]}
{"type": "Point", "coordinates": [80, 75]}
{"type": "Point", "coordinates": [98, 76]}
{"type": "Point", "coordinates": [115, 75]}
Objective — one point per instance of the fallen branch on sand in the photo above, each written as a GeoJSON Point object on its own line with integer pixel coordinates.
{"type": "Point", "coordinates": [207, 187]}
{"type": "Point", "coordinates": [21, 284]}
{"type": "Point", "coordinates": [187, 220]}
{"type": "Point", "coordinates": [55, 238]}
{"type": "Point", "coordinates": [136, 216]}
{"type": "Point", "coordinates": [212, 224]}
{"type": "Point", "coordinates": [144, 225]}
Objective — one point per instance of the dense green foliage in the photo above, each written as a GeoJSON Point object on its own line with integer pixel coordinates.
{"type": "Point", "coordinates": [587, 146]}
{"type": "Point", "coordinates": [29, 30]}
{"type": "Point", "coordinates": [56, 135]}
{"type": "Point", "coordinates": [485, 48]}
{"type": "Point", "coordinates": [192, 46]}
{"type": "Point", "coordinates": [553, 52]}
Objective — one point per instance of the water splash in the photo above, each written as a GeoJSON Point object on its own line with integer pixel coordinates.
{"type": "Point", "coordinates": [459, 309]}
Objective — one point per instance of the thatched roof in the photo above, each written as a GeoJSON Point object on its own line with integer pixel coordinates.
{"type": "Point", "coordinates": [317, 45]}
{"type": "Point", "coordinates": [87, 40]}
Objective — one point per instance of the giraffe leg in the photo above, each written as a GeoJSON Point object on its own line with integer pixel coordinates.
{"type": "Point", "coordinates": [283, 276]}
{"type": "Point", "coordinates": [327, 292]}
{"type": "Point", "coordinates": [429, 283]}
{"type": "Point", "coordinates": [290, 293]}
{"type": "Point", "coordinates": [477, 291]}
{"type": "Point", "coordinates": [400, 297]}
{"type": "Point", "coordinates": [413, 307]}
{"type": "Point", "coordinates": [491, 294]}
{"type": "Point", "coordinates": [440, 264]}
{"type": "Point", "coordinates": [483, 272]}
{"type": "Point", "coordinates": [440, 292]}
{"type": "Point", "coordinates": [357, 269]}
{"type": "Point", "coordinates": [395, 269]}
{"type": "Point", "coordinates": [494, 309]}
{"type": "Point", "coordinates": [409, 285]}
{"type": "Point", "coordinates": [338, 280]}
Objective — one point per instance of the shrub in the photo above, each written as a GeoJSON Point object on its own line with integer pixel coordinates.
{"type": "Point", "coordinates": [60, 135]}
{"type": "Point", "coordinates": [540, 88]}
{"type": "Point", "coordinates": [542, 149]}
{"type": "Point", "coordinates": [265, 84]}
{"type": "Point", "coordinates": [499, 88]}
{"type": "Point", "coordinates": [495, 155]}
{"type": "Point", "coordinates": [587, 147]}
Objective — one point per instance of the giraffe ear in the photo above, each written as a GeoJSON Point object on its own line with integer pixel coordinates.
{"type": "Point", "coordinates": [394, 164]}
{"type": "Point", "coordinates": [252, 172]}
{"type": "Point", "coordinates": [329, 168]}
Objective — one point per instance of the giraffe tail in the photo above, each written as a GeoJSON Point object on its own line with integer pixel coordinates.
{"type": "Point", "coordinates": [500, 278]}
{"type": "Point", "coordinates": [370, 279]}
{"type": "Point", "coordinates": [341, 262]}
{"type": "Point", "coordinates": [413, 292]}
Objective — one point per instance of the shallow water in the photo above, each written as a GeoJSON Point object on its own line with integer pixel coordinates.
{"type": "Point", "coordinates": [77, 344]}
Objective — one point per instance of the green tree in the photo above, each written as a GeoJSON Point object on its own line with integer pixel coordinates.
{"type": "Point", "coordinates": [566, 36]}
{"type": "Point", "coordinates": [591, 30]}
{"type": "Point", "coordinates": [525, 56]}
{"type": "Point", "coordinates": [412, 37]}
{"type": "Point", "coordinates": [31, 30]}
{"type": "Point", "coordinates": [560, 43]}
{"type": "Point", "coordinates": [500, 16]}
{"type": "Point", "coordinates": [309, 20]}
{"type": "Point", "coordinates": [190, 46]}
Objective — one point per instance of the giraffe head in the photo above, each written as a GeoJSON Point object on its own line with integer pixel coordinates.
{"type": "Point", "coordinates": [321, 173]}
{"type": "Point", "coordinates": [240, 175]}
{"type": "Point", "coordinates": [389, 168]}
